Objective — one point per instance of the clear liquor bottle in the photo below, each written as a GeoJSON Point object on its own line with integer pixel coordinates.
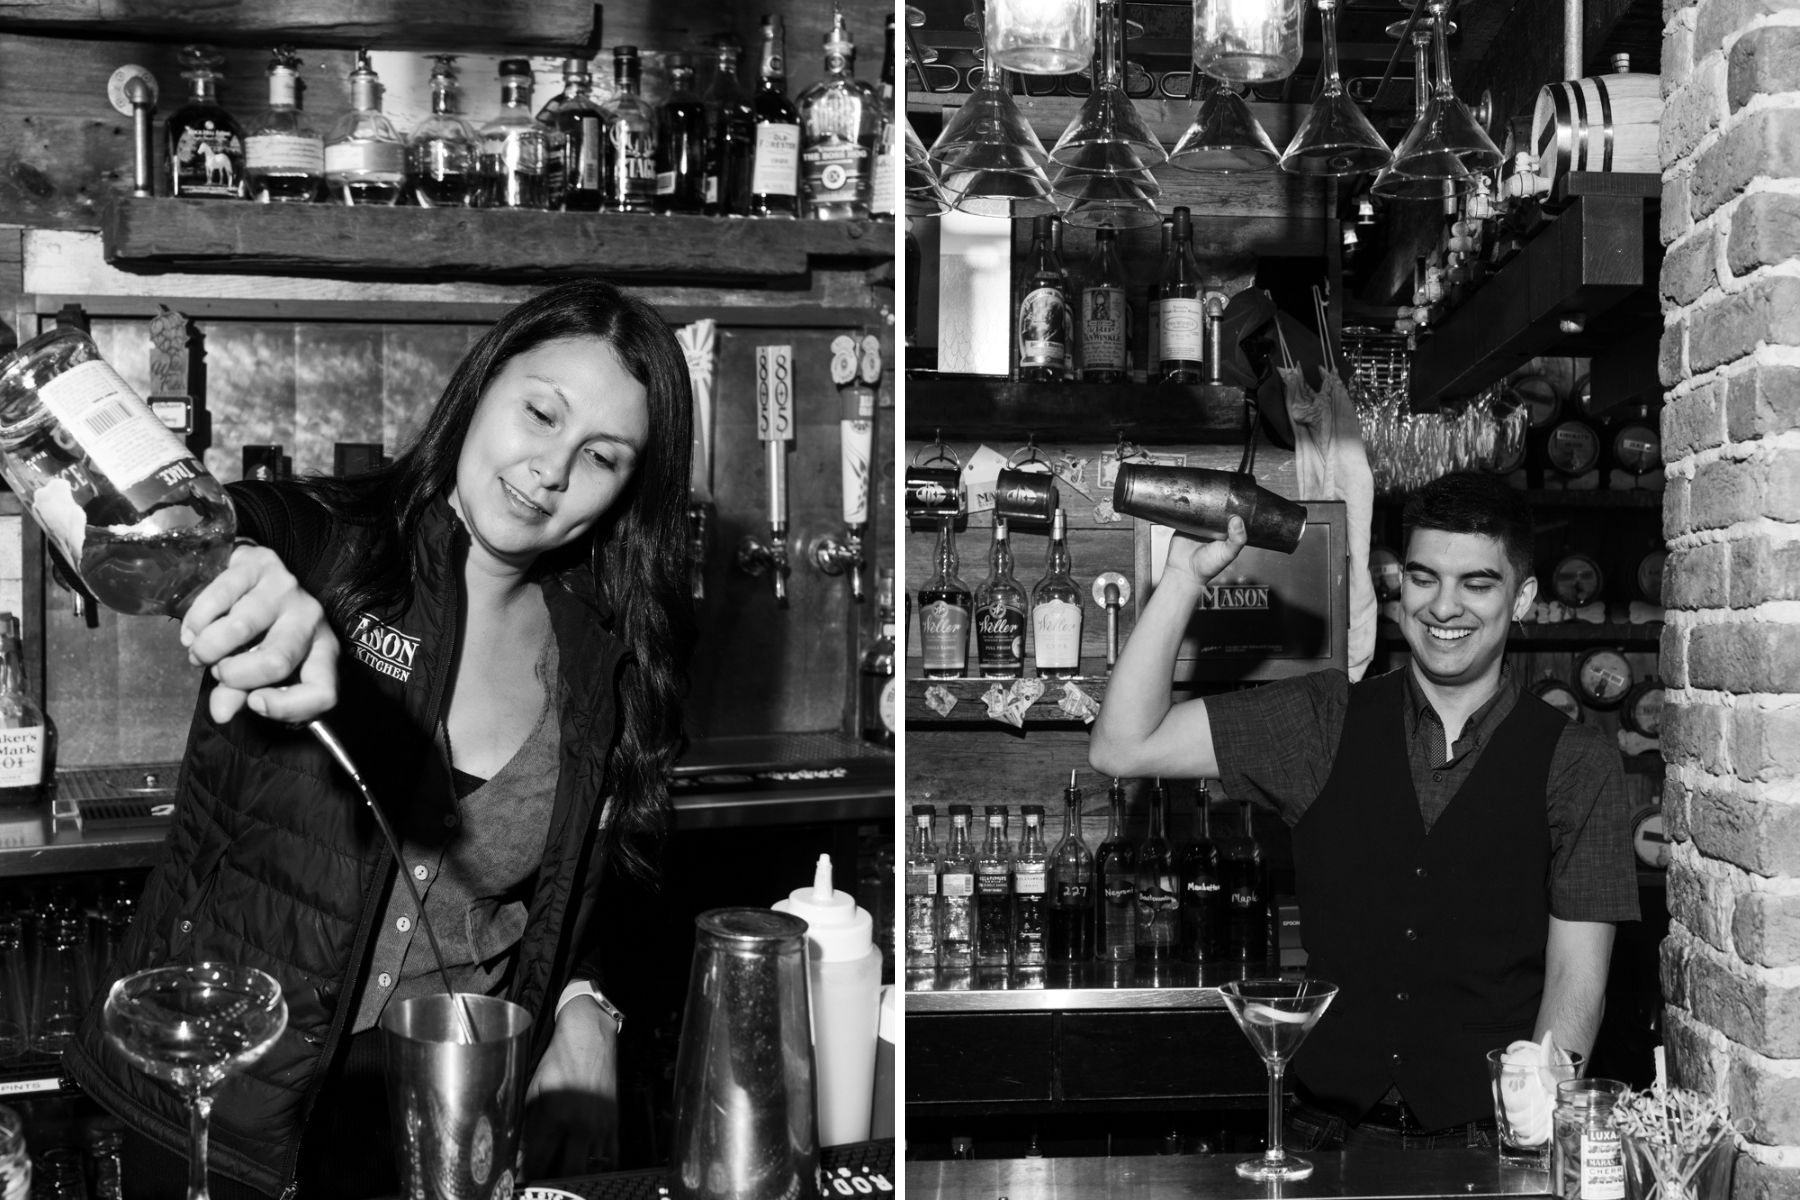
{"type": "Point", "coordinates": [1180, 308]}
{"type": "Point", "coordinates": [876, 671]}
{"type": "Point", "coordinates": [577, 163]}
{"type": "Point", "coordinates": [444, 153]}
{"type": "Point", "coordinates": [1158, 899]}
{"type": "Point", "coordinates": [993, 893]}
{"type": "Point", "coordinates": [730, 137]}
{"type": "Point", "coordinates": [1056, 610]}
{"type": "Point", "coordinates": [775, 162]}
{"type": "Point", "coordinates": [206, 144]}
{"type": "Point", "coordinates": [956, 899]}
{"type": "Point", "coordinates": [1202, 888]}
{"type": "Point", "coordinates": [1115, 930]}
{"type": "Point", "coordinates": [1105, 314]}
{"type": "Point", "coordinates": [365, 156]}
{"type": "Point", "coordinates": [515, 146]}
{"type": "Point", "coordinates": [1153, 307]}
{"type": "Point", "coordinates": [681, 142]}
{"type": "Point", "coordinates": [999, 618]}
{"type": "Point", "coordinates": [944, 604]}
{"type": "Point", "coordinates": [840, 116]}
{"type": "Point", "coordinates": [922, 892]}
{"type": "Point", "coordinates": [1043, 309]}
{"type": "Point", "coordinates": [1031, 913]}
{"type": "Point", "coordinates": [630, 181]}
{"type": "Point", "coordinates": [284, 156]}
{"type": "Point", "coordinates": [24, 730]}
{"type": "Point", "coordinates": [1071, 887]}
{"type": "Point", "coordinates": [884, 177]}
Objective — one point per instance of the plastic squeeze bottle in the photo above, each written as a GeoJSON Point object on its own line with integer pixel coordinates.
{"type": "Point", "coordinates": [843, 976]}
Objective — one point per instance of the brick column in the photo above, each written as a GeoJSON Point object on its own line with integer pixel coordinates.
{"type": "Point", "coordinates": [1730, 361]}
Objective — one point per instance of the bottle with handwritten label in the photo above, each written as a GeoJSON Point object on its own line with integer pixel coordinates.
{"type": "Point", "coordinates": [23, 728]}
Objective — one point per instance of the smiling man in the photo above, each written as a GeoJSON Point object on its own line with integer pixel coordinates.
{"type": "Point", "coordinates": [1460, 848]}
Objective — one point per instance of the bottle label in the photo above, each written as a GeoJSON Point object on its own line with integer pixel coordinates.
{"type": "Point", "coordinates": [1043, 328]}
{"type": "Point", "coordinates": [991, 883]}
{"type": "Point", "coordinates": [710, 186]}
{"type": "Point", "coordinates": [1202, 887]}
{"type": "Point", "coordinates": [206, 160]}
{"type": "Point", "coordinates": [365, 158]}
{"type": "Point", "coordinates": [22, 756]}
{"type": "Point", "coordinates": [116, 431]}
{"type": "Point", "coordinates": [665, 183]}
{"type": "Point", "coordinates": [881, 185]}
{"type": "Point", "coordinates": [885, 706]}
{"type": "Point", "coordinates": [634, 156]}
{"type": "Point", "coordinates": [281, 90]}
{"type": "Point", "coordinates": [1072, 895]}
{"type": "Point", "coordinates": [1000, 637]}
{"type": "Point", "coordinates": [1573, 448]}
{"type": "Point", "coordinates": [1103, 328]}
{"type": "Point", "coordinates": [583, 160]}
{"type": "Point", "coordinates": [776, 167]}
{"type": "Point", "coordinates": [958, 884]}
{"type": "Point", "coordinates": [944, 632]}
{"type": "Point", "coordinates": [1030, 883]}
{"type": "Point", "coordinates": [834, 170]}
{"type": "Point", "coordinates": [518, 153]}
{"type": "Point", "coordinates": [1182, 329]}
{"type": "Point", "coordinates": [921, 882]}
{"type": "Point", "coordinates": [284, 153]}
{"type": "Point", "coordinates": [1119, 892]}
{"type": "Point", "coordinates": [1602, 1165]}
{"type": "Point", "coordinates": [1057, 626]}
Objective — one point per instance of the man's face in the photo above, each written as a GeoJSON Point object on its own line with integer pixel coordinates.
{"type": "Point", "coordinates": [1458, 594]}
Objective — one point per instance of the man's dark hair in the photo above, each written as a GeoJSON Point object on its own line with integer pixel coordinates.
{"type": "Point", "coordinates": [1475, 502]}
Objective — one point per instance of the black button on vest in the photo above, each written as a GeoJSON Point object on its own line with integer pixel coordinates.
{"type": "Point", "coordinates": [1436, 941]}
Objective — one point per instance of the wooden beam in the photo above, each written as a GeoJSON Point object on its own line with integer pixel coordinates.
{"type": "Point", "coordinates": [542, 26]}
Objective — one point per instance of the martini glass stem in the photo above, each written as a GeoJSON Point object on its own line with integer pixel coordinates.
{"type": "Point", "coordinates": [1440, 43]}
{"type": "Point", "coordinates": [199, 1120]}
{"type": "Point", "coordinates": [1328, 35]}
{"type": "Point", "coordinates": [1275, 1153]}
{"type": "Point", "coordinates": [1106, 47]}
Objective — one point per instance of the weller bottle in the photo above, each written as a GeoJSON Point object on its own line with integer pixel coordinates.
{"type": "Point", "coordinates": [1000, 613]}
{"type": "Point", "coordinates": [1115, 929]}
{"type": "Point", "coordinates": [1056, 611]}
{"type": "Point", "coordinates": [944, 604]}
{"type": "Point", "coordinates": [1071, 887]}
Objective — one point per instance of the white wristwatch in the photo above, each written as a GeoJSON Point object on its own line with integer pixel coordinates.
{"type": "Point", "coordinates": [583, 987]}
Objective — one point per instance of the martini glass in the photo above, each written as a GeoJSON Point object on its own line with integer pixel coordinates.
{"type": "Point", "coordinates": [1276, 1015]}
{"type": "Point", "coordinates": [1335, 138]}
{"type": "Point", "coordinates": [1447, 128]}
{"type": "Point", "coordinates": [1439, 175]}
{"type": "Point", "coordinates": [191, 1027]}
{"type": "Point", "coordinates": [1225, 135]}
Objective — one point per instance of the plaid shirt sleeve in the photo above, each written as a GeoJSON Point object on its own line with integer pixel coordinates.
{"type": "Point", "coordinates": [1275, 742]}
{"type": "Point", "coordinates": [1593, 873]}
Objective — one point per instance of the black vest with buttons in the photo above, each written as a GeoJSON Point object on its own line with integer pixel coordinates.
{"type": "Point", "coordinates": [1436, 941]}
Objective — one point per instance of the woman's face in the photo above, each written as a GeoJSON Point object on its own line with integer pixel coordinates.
{"type": "Point", "coordinates": [554, 440]}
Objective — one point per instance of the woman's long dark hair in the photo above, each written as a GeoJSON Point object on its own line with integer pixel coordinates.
{"type": "Point", "coordinates": [637, 552]}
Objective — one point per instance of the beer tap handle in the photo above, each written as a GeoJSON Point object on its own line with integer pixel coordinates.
{"type": "Point", "coordinates": [774, 425]}
{"type": "Point", "coordinates": [698, 519]}
{"type": "Point", "coordinates": [1111, 591]}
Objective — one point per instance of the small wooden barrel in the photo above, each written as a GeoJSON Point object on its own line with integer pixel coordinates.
{"type": "Point", "coordinates": [1607, 123]}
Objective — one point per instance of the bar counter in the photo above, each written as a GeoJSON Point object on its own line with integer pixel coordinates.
{"type": "Point", "coordinates": [1083, 986]}
{"type": "Point", "coordinates": [1356, 1175]}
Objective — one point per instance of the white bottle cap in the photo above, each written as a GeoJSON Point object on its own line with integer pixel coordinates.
{"type": "Point", "coordinates": [836, 929]}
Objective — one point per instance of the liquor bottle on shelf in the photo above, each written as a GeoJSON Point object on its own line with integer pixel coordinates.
{"type": "Point", "coordinates": [1202, 889]}
{"type": "Point", "coordinates": [730, 136]}
{"type": "Point", "coordinates": [515, 145]}
{"type": "Point", "coordinates": [1180, 308]}
{"type": "Point", "coordinates": [1031, 914]}
{"type": "Point", "coordinates": [1043, 309]}
{"type": "Point", "coordinates": [284, 157]}
{"type": "Point", "coordinates": [1115, 930]}
{"type": "Point", "coordinates": [1056, 611]}
{"type": "Point", "coordinates": [839, 118]}
{"type": "Point", "coordinates": [1000, 613]}
{"type": "Point", "coordinates": [876, 670]}
{"type": "Point", "coordinates": [922, 892]}
{"type": "Point", "coordinates": [444, 153]}
{"type": "Point", "coordinates": [944, 604]}
{"type": "Point", "coordinates": [1158, 899]}
{"type": "Point", "coordinates": [576, 166]}
{"type": "Point", "coordinates": [956, 894]}
{"type": "Point", "coordinates": [206, 144]}
{"type": "Point", "coordinates": [775, 164]}
{"type": "Point", "coordinates": [993, 893]}
{"type": "Point", "coordinates": [1153, 307]}
{"type": "Point", "coordinates": [630, 178]}
{"type": "Point", "coordinates": [1105, 315]}
{"type": "Point", "coordinates": [1071, 887]}
{"type": "Point", "coordinates": [24, 730]}
{"type": "Point", "coordinates": [1246, 894]}
{"type": "Point", "coordinates": [365, 157]}
{"type": "Point", "coordinates": [681, 142]}
{"type": "Point", "coordinates": [884, 176]}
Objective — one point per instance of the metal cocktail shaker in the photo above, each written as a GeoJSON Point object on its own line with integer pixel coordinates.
{"type": "Point", "coordinates": [1200, 501]}
{"type": "Point", "coordinates": [744, 1127]}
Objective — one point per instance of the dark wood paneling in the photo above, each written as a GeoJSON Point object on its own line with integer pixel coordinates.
{"type": "Point", "coordinates": [996, 1059]}
{"type": "Point", "coordinates": [1146, 1055]}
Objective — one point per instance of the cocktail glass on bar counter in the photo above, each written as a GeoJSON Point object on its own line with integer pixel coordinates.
{"type": "Point", "coordinates": [1276, 1015]}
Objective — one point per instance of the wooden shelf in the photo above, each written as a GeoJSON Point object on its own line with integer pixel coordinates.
{"type": "Point", "coordinates": [559, 27]}
{"type": "Point", "coordinates": [971, 711]}
{"type": "Point", "coordinates": [413, 243]}
{"type": "Point", "coordinates": [975, 408]}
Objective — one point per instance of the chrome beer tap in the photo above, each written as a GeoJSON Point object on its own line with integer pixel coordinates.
{"type": "Point", "coordinates": [774, 425]}
{"type": "Point", "coordinates": [700, 346]}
